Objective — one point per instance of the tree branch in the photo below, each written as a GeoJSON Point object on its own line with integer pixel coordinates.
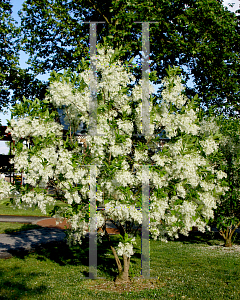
{"type": "Point", "coordinates": [119, 265]}
{"type": "Point", "coordinates": [222, 234]}
{"type": "Point", "coordinates": [97, 9]}
{"type": "Point", "coordinates": [232, 232]}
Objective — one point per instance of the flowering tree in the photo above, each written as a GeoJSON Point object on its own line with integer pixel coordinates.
{"type": "Point", "coordinates": [227, 213]}
{"type": "Point", "coordinates": [184, 186]}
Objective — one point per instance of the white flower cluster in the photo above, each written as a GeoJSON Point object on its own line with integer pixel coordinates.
{"type": "Point", "coordinates": [123, 178]}
{"type": "Point", "coordinates": [188, 209]}
{"type": "Point", "coordinates": [209, 204]}
{"type": "Point", "coordinates": [32, 199]}
{"type": "Point", "coordinates": [221, 174]}
{"type": "Point", "coordinates": [158, 208]}
{"type": "Point", "coordinates": [126, 249]}
{"type": "Point", "coordinates": [33, 127]}
{"type": "Point", "coordinates": [100, 219]}
{"type": "Point", "coordinates": [209, 146]}
{"type": "Point", "coordinates": [209, 127]}
{"type": "Point", "coordinates": [158, 181]}
{"type": "Point", "coordinates": [125, 126]}
{"type": "Point", "coordinates": [160, 160]}
{"type": "Point", "coordinates": [121, 212]}
{"type": "Point", "coordinates": [64, 163]}
{"type": "Point", "coordinates": [181, 192]}
{"type": "Point", "coordinates": [185, 167]}
{"type": "Point", "coordinates": [72, 197]}
{"type": "Point", "coordinates": [174, 95]}
{"type": "Point", "coordinates": [173, 121]}
{"type": "Point", "coordinates": [140, 155]}
{"type": "Point", "coordinates": [61, 94]}
{"type": "Point", "coordinates": [6, 189]}
{"type": "Point", "coordinates": [79, 229]}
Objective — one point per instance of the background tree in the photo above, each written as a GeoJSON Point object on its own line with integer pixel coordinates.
{"type": "Point", "coordinates": [227, 214]}
{"type": "Point", "coordinates": [9, 55]}
{"type": "Point", "coordinates": [14, 81]}
{"type": "Point", "coordinates": [201, 36]}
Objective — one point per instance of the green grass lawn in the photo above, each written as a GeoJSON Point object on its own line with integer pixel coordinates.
{"type": "Point", "coordinates": [6, 208]}
{"type": "Point", "coordinates": [188, 268]}
{"type": "Point", "coordinates": [8, 227]}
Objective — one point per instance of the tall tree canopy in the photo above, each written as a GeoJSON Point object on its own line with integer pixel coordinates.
{"type": "Point", "coordinates": [14, 81]}
{"type": "Point", "coordinates": [200, 35]}
{"type": "Point", "coordinates": [8, 52]}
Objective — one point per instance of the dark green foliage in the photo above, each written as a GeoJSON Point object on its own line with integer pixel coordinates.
{"type": "Point", "coordinates": [202, 36]}
{"type": "Point", "coordinates": [227, 214]}
{"type": "Point", "coordinates": [8, 51]}
{"type": "Point", "coordinates": [12, 78]}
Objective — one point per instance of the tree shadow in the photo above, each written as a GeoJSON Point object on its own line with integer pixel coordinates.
{"type": "Point", "coordinates": [209, 238]}
{"type": "Point", "coordinates": [17, 285]}
{"type": "Point", "coordinates": [62, 254]}
{"type": "Point", "coordinates": [22, 228]}
{"type": "Point", "coordinates": [19, 242]}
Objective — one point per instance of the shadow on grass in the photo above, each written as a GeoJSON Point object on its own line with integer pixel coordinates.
{"type": "Point", "coordinates": [62, 254]}
{"type": "Point", "coordinates": [22, 228]}
{"type": "Point", "coordinates": [16, 286]}
{"type": "Point", "coordinates": [209, 238]}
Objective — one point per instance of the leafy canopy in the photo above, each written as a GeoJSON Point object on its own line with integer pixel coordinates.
{"type": "Point", "coordinates": [200, 36]}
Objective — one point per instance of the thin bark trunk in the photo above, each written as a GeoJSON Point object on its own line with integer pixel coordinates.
{"type": "Point", "coordinates": [119, 265]}
{"type": "Point", "coordinates": [227, 238]}
{"type": "Point", "coordinates": [228, 243]}
{"type": "Point", "coordinates": [227, 235]}
{"type": "Point", "coordinates": [123, 277]}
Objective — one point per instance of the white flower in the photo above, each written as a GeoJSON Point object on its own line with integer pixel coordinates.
{"type": "Point", "coordinates": [6, 189]}
{"type": "Point", "coordinates": [158, 208]}
{"type": "Point", "coordinates": [40, 199]}
{"type": "Point", "coordinates": [125, 126]}
{"type": "Point", "coordinates": [140, 155]}
{"type": "Point", "coordinates": [100, 219]}
{"type": "Point", "coordinates": [30, 127]}
{"type": "Point", "coordinates": [181, 190]}
{"type": "Point", "coordinates": [72, 197]}
{"type": "Point", "coordinates": [209, 146]}
{"type": "Point", "coordinates": [221, 175]}
{"type": "Point", "coordinates": [209, 126]}
{"type": "Point", "coordinates": [126, 249]}
{"type": "Point", "coordinates": [119, 212]}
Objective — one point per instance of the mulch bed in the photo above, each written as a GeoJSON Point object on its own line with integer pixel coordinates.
{"type": "Point", "coordinates": [135, 285]}
{"type": "Point", "coordinates": [51, 223]}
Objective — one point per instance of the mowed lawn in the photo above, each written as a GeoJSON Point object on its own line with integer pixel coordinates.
{"type": "Point", "coordinates": [192, 267]}
{"type": "Point", "coordinates": [6, 208]}
{"type": "Point", "coordinates": [189, 268]}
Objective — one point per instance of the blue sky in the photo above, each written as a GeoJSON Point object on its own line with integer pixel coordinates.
{"type": "Point", "coordinates": [17, 4]}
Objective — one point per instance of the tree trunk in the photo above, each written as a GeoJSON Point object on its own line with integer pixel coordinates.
{"type": "Point", "coordinates": [228, 242]}
{"type": "Point", "coordinates": [123, 273]}
{"type": "Point", "coordinates": [123, 277]}
{"type": "Point", "coordinates": [227, 235]}
{"type": "Point", "coordinates": [119, 265]}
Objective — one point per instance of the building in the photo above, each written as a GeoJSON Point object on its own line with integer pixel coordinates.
{"type": "Point", "coordinates": [6, 168]}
